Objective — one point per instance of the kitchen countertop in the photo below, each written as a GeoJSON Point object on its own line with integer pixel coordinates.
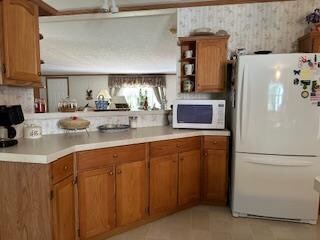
{"type": "Point", "coordinates": [51, 147]}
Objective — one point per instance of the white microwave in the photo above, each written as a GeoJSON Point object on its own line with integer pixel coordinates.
{"type": "Point", "coordinates": [199, 114]}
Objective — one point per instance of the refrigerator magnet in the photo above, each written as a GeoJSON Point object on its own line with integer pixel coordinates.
{"type": "Point", "coordinates": [315, 86]}
{"type": "Point", "coordinates": [305, 84]}
{"type": "Point", "coordinates": [306, 74]}
{"type": "Point", "coordinates": [305, 94]}
{"type": "Point", "coordinates": [296, 72]}
{"type": "Point", "coordinates": [296, 81]}
{"type": "Point", "coordinates": [318, 104]}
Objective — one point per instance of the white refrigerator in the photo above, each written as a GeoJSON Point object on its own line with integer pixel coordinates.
{"type": "Point", "coordinates": [276, 137]}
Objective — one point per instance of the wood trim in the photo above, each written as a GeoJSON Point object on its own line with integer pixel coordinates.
{"type": "Point", "coordinates": [143, 7]}
{"type": "Point", "coordinates": [44, 8]}
{"type": "Point", "coordinates": [2, 60]}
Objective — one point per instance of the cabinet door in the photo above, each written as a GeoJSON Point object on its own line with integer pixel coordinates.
{"type": "Point", "coordinates": [96, 202]}
{"type": "Point", "coordinates": [211, 65]}
{"type": "Point", "coordinates": [163, 184]}
{"type": "Point", "coordinates": [316, 45]}
{"type": "Point", "coordinates": [189, 177]}
{"type": "Point", "coordinates": [131, 192]}
{"type": "Point", "coordinates": [64, 210]}
{"type": "Point", "coordinates": [215, 176]}
{"type": "Point", "coordinates": [21, 42]}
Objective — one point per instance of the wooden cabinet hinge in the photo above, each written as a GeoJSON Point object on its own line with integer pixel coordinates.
{"type": "Point", "coordinates": [149, 164]}
{"type": "Point", "coordinates": [75, 181]}
{"type": "Point", "coordinates": [4, 70]}
{"type": "Point", "coordinates": [147, 210]}
{"type": "Point", "coordinates": [51, 195]}
{"type": "Point", "coordinates": [78, 232]}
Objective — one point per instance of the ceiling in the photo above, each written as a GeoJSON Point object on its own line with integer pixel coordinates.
{"type": "Point", "coordinates": [80, 4]}
{"type": "Point", "coordinates": [108, 45]}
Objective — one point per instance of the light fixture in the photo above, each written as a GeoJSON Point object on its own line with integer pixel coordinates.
{"type": "Point", "coordinates": [107, 8]}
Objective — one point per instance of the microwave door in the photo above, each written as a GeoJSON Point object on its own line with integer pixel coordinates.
{"type": "Point", "coordinates": [195, 114]}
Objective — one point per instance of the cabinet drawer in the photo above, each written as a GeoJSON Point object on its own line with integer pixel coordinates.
{"type": "Point", "coordinates": [163, 148]}
{"type": "Point", "coordinates": [104, 157]}
{"type": "Point", "coordinates": [213, 142]}
{"type": "Point", "coordinates": [189, 144]}
{"type": "Point", "coordinates": [62, 168]}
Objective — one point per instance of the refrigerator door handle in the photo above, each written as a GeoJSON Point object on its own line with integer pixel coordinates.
{"type": "Point", "coordinates": [243, 107]}
{"type": "Point", "coordinates": [280, 163]}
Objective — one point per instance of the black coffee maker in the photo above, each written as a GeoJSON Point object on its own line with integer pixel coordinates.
{"type": "Point", "coordinates": [9, 116]}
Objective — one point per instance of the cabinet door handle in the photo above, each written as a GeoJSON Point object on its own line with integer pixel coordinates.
{"type": "Point", "coordinates": [65, 168]}
{"type": "Point", "coordinates": [111, 173]}
{"type": "Point", "coordinates": [115, 155]}
{"type": "Point", "coordinates": [206, 154]}
{"type": "Point", "coordinates": [215, 142]}
{"type": "Point", "coordinates": [119, 172]}
{"type": "Point", "coordinates": [181, 159]}
{"type": "Point", "coordinates": [39, 73]}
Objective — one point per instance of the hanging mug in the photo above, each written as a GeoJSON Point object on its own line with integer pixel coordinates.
{"type": "Point", "coordinates": [189, 68]}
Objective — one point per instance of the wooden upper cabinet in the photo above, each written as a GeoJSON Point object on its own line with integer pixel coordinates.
{"type": "Point", "coordinates": [209, 60]}
{"type": "Point", "coordinates": [96, 202]}
{"type": "Point", "coordinates": [189, 177]}
{"type": "Point", "coordinates": [163, 184]}
{"type": "Point", "coordinates": [131, 192]}
{"type": "Point", "coordinates": [21, 51]}
{"type": "Point", "coordinates": [310, 43]}
{"type": "Point", "coordinates": [211, 65]}
{"type": "Point", "coordinates": [64, 210]}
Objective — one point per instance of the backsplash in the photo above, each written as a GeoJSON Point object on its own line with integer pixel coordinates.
{"type": "Point", "coordinates": [260, 26]}
{"type": "Point", "coordinates": [144, 119]}
{"type": "Point", "coordinates": [15, 96]}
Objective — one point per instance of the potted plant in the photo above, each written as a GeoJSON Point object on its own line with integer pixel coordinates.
{"type": "Point", "coordinates": [314, 18]}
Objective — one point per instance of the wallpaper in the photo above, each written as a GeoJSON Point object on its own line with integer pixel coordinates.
{"type": "Point", "coordinates": [260, 26]}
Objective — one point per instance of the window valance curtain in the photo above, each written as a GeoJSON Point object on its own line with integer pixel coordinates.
{"type": "Point", "coordinates": [119, 81]}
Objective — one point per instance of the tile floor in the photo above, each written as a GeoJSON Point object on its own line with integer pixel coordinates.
{"type": "Point", "coordinates": [216, 223]}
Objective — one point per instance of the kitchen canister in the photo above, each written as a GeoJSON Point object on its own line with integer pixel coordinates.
{"type": "Point", "coordinates": [101, 103]}
{"type": "Point", "coordinates": [32, 132]}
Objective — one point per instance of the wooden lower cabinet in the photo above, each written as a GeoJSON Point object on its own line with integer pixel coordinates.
{"type": "Point", "coordinates": [189, 177]}
{"type": "Point", "coordinates": [163, 183]}
{"type": "Point", "coordinates": [96, 202]}
{"type": "Point", "coordinates": [131, 192]}
{"type": "Point", "coordinates": [64, 210]}
{"type": "Point", "coordinates": [215, 184]}
{"type": "Point", "coordinates": [116, 188]}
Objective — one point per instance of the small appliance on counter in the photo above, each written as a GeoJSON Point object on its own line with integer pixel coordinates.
{"type": "Point", "coordinates": [9, 116]}
{"type": "Point", "coordinates": [199, 114]}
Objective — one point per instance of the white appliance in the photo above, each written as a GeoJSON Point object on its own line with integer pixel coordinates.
{"type": "Point", "coordinates": [199, 114]}
{"type": "Point", "coordinates": [276, 137]}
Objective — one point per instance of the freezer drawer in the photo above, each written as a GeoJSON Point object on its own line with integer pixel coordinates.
{"type": "Point", "coordinates": [275, 186]}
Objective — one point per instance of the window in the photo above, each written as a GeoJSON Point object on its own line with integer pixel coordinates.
{"type": "Point", "coordinates": [135, 88]}
{"type": "Point", "coordinates": [135, 97]}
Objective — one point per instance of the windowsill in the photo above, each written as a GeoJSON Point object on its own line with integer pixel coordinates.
{"type": "Point", "coordinates": [58, 115]}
